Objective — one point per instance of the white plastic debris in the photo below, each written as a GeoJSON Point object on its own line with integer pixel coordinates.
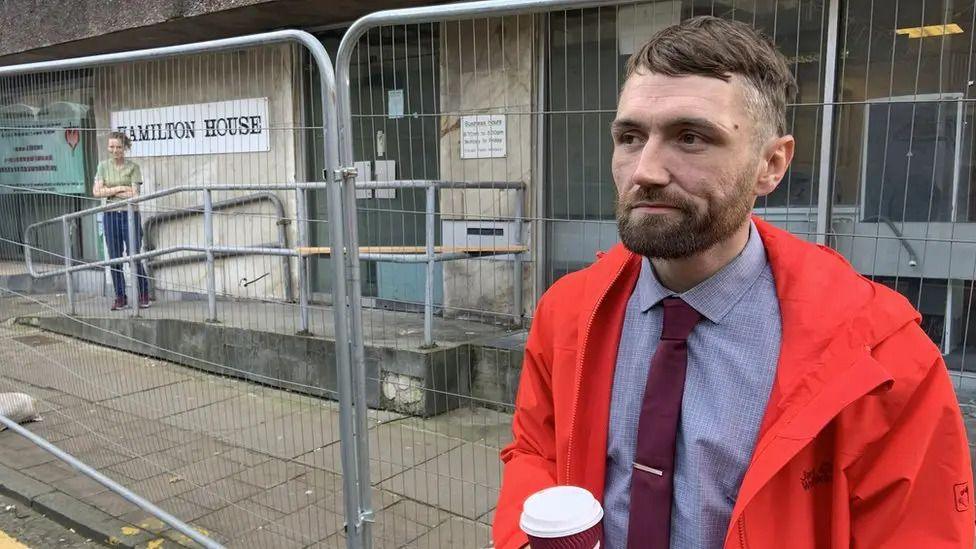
{"type": "Point", "coordinates": [18, 407]}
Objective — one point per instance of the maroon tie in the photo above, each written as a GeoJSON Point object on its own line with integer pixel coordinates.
{"type": "Point", "coordinates": [652, 479]}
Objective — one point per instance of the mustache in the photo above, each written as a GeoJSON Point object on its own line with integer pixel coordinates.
{"type": "Point", "coordinates": [657, 196]}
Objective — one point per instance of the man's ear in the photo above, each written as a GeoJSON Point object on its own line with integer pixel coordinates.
{"type": "Point", "coordinates": [776, 157]}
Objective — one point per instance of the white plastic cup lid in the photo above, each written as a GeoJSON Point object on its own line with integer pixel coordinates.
{"type": "Point", "coordinates": [560, 511]}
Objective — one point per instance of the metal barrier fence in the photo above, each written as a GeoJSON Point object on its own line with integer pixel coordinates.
{"type": "Point", "coordinates": [230, 443]}
{"type": "Point", "coordinates": [462, 168]}
{"type": "Point", "coordinates": [526, 92]}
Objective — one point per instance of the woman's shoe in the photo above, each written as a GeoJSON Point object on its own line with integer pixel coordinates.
{"type": "Point", "coordinates": [144, 301]}
{"type": "Point", "coordinates": [120, 303]}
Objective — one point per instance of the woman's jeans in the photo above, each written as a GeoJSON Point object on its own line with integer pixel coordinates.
{"type": "Point", "coordinates": [117, 237]}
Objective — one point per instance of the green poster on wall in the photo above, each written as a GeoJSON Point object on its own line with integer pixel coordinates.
{"type": "Point", "coordinates": [42, 149]}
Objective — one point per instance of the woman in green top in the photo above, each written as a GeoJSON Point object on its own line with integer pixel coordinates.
{"type": "Point", "coordinates": [117, 179]}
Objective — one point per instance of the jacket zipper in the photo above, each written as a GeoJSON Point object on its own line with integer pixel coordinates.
{"type": "Point", "coordinates": [742, 531]}
{"type": "Point", "coordinates": [579, 366]}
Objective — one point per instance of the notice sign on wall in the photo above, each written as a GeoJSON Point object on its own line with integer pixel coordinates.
{"type": "Point", "coordinates": [483, 136]}
{"type": "Point", "coordinates": [236, 126]}
{"type": "Point", "coordinates": [42, 150]}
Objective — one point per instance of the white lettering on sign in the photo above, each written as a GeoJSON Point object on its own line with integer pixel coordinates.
{"type": "Point", "coordinates": [235, 126]}
{"type": "Point", "coordinates": [483, 136]}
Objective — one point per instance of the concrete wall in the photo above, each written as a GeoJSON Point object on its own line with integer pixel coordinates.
{"type": "Point", "coordinates": [38, 23]}
{"type": "Point", "coordinates": [486, 68]}
{"type": "Point", "coordinates": [260, 72]}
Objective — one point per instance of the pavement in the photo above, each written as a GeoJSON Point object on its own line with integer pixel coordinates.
{"type": "Point", "coordinates": [249, 465]}
{"type": "Point", "coordinates": [22, 527]}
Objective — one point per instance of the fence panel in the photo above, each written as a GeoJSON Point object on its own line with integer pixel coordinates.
{"type": "Point", "coordinates": [491, 94]}
{"type": "Point", "coordinates": [211, 383]}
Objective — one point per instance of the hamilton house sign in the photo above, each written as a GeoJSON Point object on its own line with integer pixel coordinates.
{"type": "Point", "coordinates": [235, 126]}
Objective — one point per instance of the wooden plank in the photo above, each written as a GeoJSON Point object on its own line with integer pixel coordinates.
{"type": "Point", "coordinates": [419, 250]}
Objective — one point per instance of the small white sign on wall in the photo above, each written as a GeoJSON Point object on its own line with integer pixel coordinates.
{"type": "Point", "coordinates": [484, 136]}
{"type": "Point", "coordinates": [395, 103]}
{"type": "Point", "coordinates": [235, 126]}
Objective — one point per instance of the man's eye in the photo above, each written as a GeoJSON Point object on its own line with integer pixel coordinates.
{"type": "Point", "coordinates": [628, 139]}
{"type": "Point", "coordinates": [690, 139]}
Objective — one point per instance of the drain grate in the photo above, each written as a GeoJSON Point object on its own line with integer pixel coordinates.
{"type": "Point", "coordinates": [36, 340]}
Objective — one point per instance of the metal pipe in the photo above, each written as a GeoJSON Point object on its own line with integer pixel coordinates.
{"type": "Point", "coordinates": [133, 263]}
{"type": "Point", "coordinates": [68, 278]}
{"type": "Point", "coordinates": [352, 425]}
{"type": "Point", "coordinates": [301, 216]}
{"type": "Point", "coordinates": [440, 184]}
{"type": "Point", "coordinates": [517, 260]}
{"type": "Point", "coordinates": [170, 250]}
{"type": "Point", "coordinates": [430, 208]}
{"type": "Point", "coordinates": [155, 54]}
{"type": "Point", "coordinates": [191, 259]}
{"type": "Point", "coordinates": [143, 198]}
{"type": "Point", "coordinates": [912, 256]}
{"type": "Point", "coordinates": [825, 188]}
{"type": "Point", "coordinates": [149, 226]}
{"type": "Point", "coordinates": [115, 487]}
{"type": "Point", "coordinates": [415, 258]}
{"type": "Point", "coordinates": [358, 366]}
{"type": "Point", "coordinates": [539, 227]}
{"type": "Point", "coordinates": [211, 268]}
{"type": "Point", "coordinates": [448, 12]}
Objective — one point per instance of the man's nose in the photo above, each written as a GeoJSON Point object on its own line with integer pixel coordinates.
{"type": "Point", "coordinates": [651, 169]}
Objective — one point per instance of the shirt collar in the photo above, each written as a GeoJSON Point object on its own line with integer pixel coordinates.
{"type": "Point", "coordinates": [715, 296]}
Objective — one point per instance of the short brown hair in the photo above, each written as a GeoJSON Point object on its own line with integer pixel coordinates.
{"type": "Point", "coordinates": [719, 48]}
{"type": "Point", "coordinates": [124, 139]}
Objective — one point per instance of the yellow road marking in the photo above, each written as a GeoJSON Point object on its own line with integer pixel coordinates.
{"type": "Point", "coordinates": [7, 542]}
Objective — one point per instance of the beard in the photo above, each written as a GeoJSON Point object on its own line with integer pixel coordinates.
{"type": "Point", "coordinates": [687, 231]}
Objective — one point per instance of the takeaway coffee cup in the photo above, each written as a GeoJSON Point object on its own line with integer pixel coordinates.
{"type": "Point", "coordinates": [563, 517]}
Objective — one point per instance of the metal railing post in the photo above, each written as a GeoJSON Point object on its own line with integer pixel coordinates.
{"type": "Point", "coordinates": [429, 221]}
{"type": "Point", "coordinates": [68, 278]}
{"type": "Point", "coordinates": [208, 241]}
{"type": "Point", "coordinates": [301, 215]}
{"type": "Point", "coordinates": [517, 282]}
{"type": "Point", "coordinates": [133, 262]}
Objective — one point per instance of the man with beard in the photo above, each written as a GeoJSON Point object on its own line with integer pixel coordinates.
{"type": "Point", "coordinates": [715, 381]}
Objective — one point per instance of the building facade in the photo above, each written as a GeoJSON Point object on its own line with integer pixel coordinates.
{"type": "Point", "coordinates": [883, 121]}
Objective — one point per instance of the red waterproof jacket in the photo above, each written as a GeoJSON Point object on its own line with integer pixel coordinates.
{"type": "Point", "coordinates": [862, 444]}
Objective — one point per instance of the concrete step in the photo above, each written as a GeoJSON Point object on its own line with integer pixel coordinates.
{"type": "Point", "coordinates": [414, 381]}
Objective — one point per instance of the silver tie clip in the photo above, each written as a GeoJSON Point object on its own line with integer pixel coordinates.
{"type": "Point", "coordinates": [647, 469]}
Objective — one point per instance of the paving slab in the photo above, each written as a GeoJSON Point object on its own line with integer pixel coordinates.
{"type": "Point", "coordinates": [454, 532]}
{"type": "Point", "coordinates": [393, 448]}
{"type": "Point", "coordinates": [290, 496]}
{"type": "Point", "coordinates": [463, 481]}
{"type": "Point", "coordinates": [238, 518]}
{"type": "Point", "coordinates": [270, 473]}
{"type": "Point", "coordinates": [172, 399]}
{"type": "Point", "coordinates": [309, 524]}
{"type": "Point", "coordinates": [220, 494]}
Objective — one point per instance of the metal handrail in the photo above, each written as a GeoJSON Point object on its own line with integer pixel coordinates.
{"type": "Point", "coordinates": [64, 218]}
{"type": "Point", "coordinates": [149, 242]}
